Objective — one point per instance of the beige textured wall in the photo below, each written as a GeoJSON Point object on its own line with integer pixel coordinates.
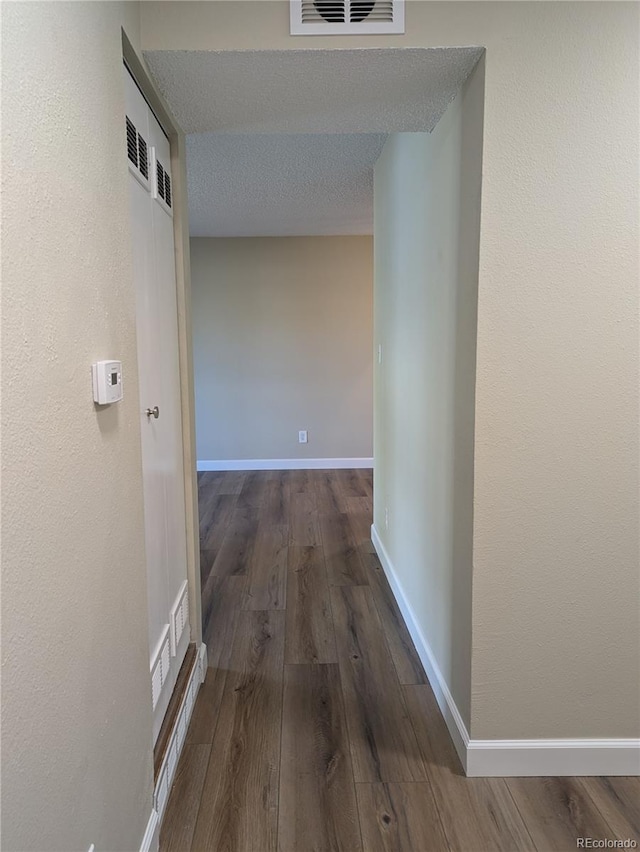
{"type": "Point", "coordinates": [427, 218]}
{"type": "Point", "coordinates": [282, 336]}
{"type": "Point", "coordinates": [76, 710]}
{"type": "Point", "coordinates": [556, 630]}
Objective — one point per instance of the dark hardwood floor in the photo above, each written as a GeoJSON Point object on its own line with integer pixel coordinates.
{"type": "Point", "coordinates": [316, 728]}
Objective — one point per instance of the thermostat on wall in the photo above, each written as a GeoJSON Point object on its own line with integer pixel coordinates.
{"type": "Point", "coordinates": [107, 381]}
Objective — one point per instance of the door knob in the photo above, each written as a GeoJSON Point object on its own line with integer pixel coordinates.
{"type": "Point", "coordinates": [153, 412]}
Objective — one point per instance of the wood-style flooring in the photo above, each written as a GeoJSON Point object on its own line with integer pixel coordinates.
{"type": "Point", "coordinates": [316, 728]}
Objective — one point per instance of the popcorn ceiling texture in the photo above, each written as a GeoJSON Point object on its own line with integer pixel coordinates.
{"type": "Point", "coordinates": [310, 126]}
{"type": "Point", "coordinates": [310, 91]}
{"type": "Point", "coordinates": [268, 185]}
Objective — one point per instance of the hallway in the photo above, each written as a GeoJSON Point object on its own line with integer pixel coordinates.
{"type": "Point", "coordinates": [316, 728]}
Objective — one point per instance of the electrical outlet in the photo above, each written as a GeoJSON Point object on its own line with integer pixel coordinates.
{"type": "Point", "coordinates": [379, 353]}
{"type": "Point", "coordinates": [302, 436]}
{"type": "Point", "coordinates": [386, 518]}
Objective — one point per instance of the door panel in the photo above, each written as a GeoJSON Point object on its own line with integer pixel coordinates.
{"type": "Point", "coordinates": [173, 470]}
{"type": "Point", "coordinates": [159, 385]}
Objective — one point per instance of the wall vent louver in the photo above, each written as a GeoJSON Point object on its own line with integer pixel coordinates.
{"type": "Point", "coordinates": [163, 189]}
{"type": "Point", "coordinates": [160, 664]}
{"type": "Point", "coordinates": [132, 142]}
{"type": "Point", "coordinates": [179, 617]}
{"type": "Point", "coordinates": [137, 154]}
{"type": "Point", "coordinates": [143, 157]}
{"type": "Point", "coordinates": [159, 179]}
{"type": "Point", "coordinates": [346, 17]}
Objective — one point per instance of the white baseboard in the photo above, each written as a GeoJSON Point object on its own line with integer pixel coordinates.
{"type": "Point", "coordinates": [486, 758]}
{"type": "Point", "coordinates": [452, 717]}
{"type": "Point", "coordinates": [282, 464]}
{"type": "Point", "coordinates": [553, 757]}
{"type": "Point", "coordinates": [151, 839]}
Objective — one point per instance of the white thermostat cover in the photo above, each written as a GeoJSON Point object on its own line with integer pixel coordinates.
{"type": "Point", "coordinates": [107, 382]}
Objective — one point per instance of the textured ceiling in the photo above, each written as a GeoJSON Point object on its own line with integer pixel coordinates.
{"type": "Point", "coordinates": [252, 170]}
{"type": "Point", "coordinates": [270, 185]}
{"type": "Point", "coordinates": [311, 91]}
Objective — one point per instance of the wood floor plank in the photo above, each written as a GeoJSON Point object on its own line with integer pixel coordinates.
{"type": "Point", "coordinates": [274, 506]}
{"type": "Point", "coordinates": [204, 718]}
{"type": "Point", "coordinates": [476, 813]}
{"type": "Point", "coordinates": [618, 800]}
{"type": "Point", "coordinates": [557, 811]}
{"type": "Point", "coordinates": [350, 483]}
{"type": "Point", "coordinates": [360, 521]}
{"type": "Point", "coordinates": [240, 795]}
{"type": "Point", "coordinates": [207, 482]}
{"type": "Point", "coordinates": [403, 653]}
{"type": "Point", "coordinates": [232, 482]}
{"type": "Point", "coordinates": [179, 820]}
{"type": "Point", "coordinates": [267, 571]}
{"type": "Point", "coordinates": [399, 818]}
{"type": "Point", "coordinates": [309, 624]}
{"type": "Point", "coordinates": [362, 506]}
{"type": "Point", "coordinates": [218, 482]}
{"type": "Point", "coordinates": [329, 496]}
{"type": "Point", "coordinates": [214, 526]}
{"type": "Point", "coordinates": [237, 545]}
{"type": "Point", "coordinates": [302, 482]}
{"type": "Point", "coordinates": [342, 556]}
{"type": "Point", "coordinates": [304, 523]}
{"type": "Point", "coordinates": [366, 478]}
{"type": "Point", "coordinates": [207, 558]}
{"type": "Point", "coordinates": [253, 488]}
{"type": "Point", "coordinates": [317, 809]}
{"type": "Point", "coordinates": [383, 743]}
{"type": "Point", "coordinates": [221, 599]}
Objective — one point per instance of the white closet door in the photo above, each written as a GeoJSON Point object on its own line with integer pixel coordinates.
{"type": "Point", "coordinates": [160, 403]}
{"type": "Point", "coordinates": [148, 375]}
{"type": "Point", "coordinates": [173, 471]}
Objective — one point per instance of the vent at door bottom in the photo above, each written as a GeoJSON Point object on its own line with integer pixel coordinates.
{"type": "Point", "coordinates": [179, 617]}
{"type": "Point", "coordinates": [160, 664]}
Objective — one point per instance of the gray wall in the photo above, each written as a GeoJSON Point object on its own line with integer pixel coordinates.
{"type": "Point", "coordinates": [427, 214]}
{"type": "Point", "coordinates": [282, 336]}
{"type": "Point", "coordinates": [76, 699]}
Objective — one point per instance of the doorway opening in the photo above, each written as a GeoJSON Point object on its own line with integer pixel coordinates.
{"type": "Point", "coordinates": [334, 219]}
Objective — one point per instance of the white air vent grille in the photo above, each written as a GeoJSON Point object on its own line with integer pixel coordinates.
{"type": "Point", "coordinates": [159, 179]}
{"type": "Point", "coordinates": [162, 185]}
{"type": "Point", "coordinates": [178, 735]}
{"type": "Point", "coordinates": [346, 17]}
{"type": "Point", "coordinates": [132, 142]}
{"type": "Point", "coordinates": [160, 664]}
{"type": "Point", "coordinates": [179, 617]}
{"type": "Point", "coordinates": [143, 157]}
{"type": "Point", "coordinates": [137, 154]}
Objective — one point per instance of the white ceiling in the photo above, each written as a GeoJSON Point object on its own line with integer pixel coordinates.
{"type": "Point", "coordinates": [270, 185]}
{"type": "Point", "coordinates": [284, 142]}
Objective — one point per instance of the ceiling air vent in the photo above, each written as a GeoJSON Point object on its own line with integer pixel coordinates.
{"type": "Point", "coordinates": [346, 17]}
